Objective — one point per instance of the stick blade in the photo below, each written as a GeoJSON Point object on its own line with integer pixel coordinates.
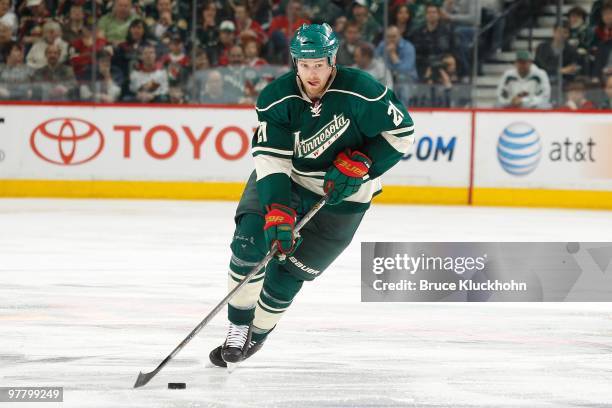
{"type": "Point", "coordinates": [143, 379]}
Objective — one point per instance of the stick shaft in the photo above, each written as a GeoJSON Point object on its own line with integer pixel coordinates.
{"type": "Point", "coordinates": [144, 378]}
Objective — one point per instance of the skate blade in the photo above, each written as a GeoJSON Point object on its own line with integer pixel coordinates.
{"type": "Point", "coordinates": [231, 367]}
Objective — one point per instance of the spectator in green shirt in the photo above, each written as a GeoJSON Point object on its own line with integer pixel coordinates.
{"type": "Point", "coordinates": [116, 23]}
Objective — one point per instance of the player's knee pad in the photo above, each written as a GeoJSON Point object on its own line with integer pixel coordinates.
{"type": "Point", "coordinates": [248, 249]}
{"type": "Point", "coordinates": [248, 244]}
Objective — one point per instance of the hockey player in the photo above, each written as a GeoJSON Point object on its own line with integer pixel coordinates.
{"type": "Point", "coordinates": [327, 129]}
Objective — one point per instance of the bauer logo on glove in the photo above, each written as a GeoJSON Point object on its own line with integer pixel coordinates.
{"type": "Point", "coordinates": [346, 166]}
{"type": "Point", "coordinates": [279, 228]}
{"type": "Point", "coordinates": [346, 176]}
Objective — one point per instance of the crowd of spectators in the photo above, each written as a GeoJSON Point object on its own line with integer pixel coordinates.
{"type": "Point", "coordinates": [142, 51]}
{"type": "Point", "coordinates": [226, 51]}
{"type": "Point", "coordinates": [578, 59]}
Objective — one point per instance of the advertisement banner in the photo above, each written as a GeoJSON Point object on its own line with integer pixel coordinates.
{"type": "Point", "coordinates": [541, 150]}
{"type": "Point", "coordinates": [126, 143]}
{"type": "Point", "coordinates": [441, 154]}
{"type": "Point", "coordinates": [190, 144]}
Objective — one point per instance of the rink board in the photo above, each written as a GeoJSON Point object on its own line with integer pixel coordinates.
{"type": "Point", "coordinates": [546, 159]}
{"type": "Point", "coordinates": [543, 159]}
{"type": "Point", "coordinates": [190, 153]}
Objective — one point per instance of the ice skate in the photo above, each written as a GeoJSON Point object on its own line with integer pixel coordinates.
{"type": "Point", "coordinates": [232, 350]}
{"type": "Point", "coordinates": [216, 358]}
{"type": "Point", "coordinates": [238, 346]}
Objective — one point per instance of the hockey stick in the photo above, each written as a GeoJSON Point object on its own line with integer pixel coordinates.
{"type": "Point", "coordinates": [144, 378]}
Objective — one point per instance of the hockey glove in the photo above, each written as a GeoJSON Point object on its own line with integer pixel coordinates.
{"type": "Point", "coordinates": [346, 176]}
{"type": "Point", "coordinates": [279, 229]}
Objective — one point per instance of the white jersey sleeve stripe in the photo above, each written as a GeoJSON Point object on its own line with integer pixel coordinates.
{"type": "Point", "coordinates": [266, 165]}
{"type": "Point", "coordinates": [401, 130]}
{"type": "Point", "coordinates": [309, 173]}
{"type": "Point", "coordinates": [261, 149]}
{"type": "Point", "coordinates": [401, 144]}
{"type": "Point", "coordinates": [402, 134]}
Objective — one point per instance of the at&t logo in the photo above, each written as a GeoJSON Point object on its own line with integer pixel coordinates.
{"type": "Point", "coordinates": [519, 149]}
{"type": "Point", "coordinates": [67, 141]}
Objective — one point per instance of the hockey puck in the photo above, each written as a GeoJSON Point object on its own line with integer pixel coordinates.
{"type": "Point", "coordinates": [177, 386]}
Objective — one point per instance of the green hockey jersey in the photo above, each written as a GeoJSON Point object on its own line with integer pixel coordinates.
{"type": "Point", "coordinates": [298, 139]}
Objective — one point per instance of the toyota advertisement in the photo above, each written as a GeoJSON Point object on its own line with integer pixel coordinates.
{"type": "Point", "coordinates": [86, 143]}
{"type": "Point", "coordinates": [191, 144]}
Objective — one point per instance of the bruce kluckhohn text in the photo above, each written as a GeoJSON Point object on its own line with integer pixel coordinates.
{"type": "Point", "coordinates": [424, 285]}
{"type": "Point", "coordinates": [457, 264]}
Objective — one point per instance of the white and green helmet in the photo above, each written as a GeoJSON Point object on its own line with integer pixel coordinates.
{"type": "Point", "coordinates": [314, 41]}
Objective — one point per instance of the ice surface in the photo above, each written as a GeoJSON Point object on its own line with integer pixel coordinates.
{"type": "Point", "coordinates": [92, 292]}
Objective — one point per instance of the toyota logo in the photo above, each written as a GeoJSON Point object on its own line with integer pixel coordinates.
{"type": "Point", "coordinates": [67, 141]}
